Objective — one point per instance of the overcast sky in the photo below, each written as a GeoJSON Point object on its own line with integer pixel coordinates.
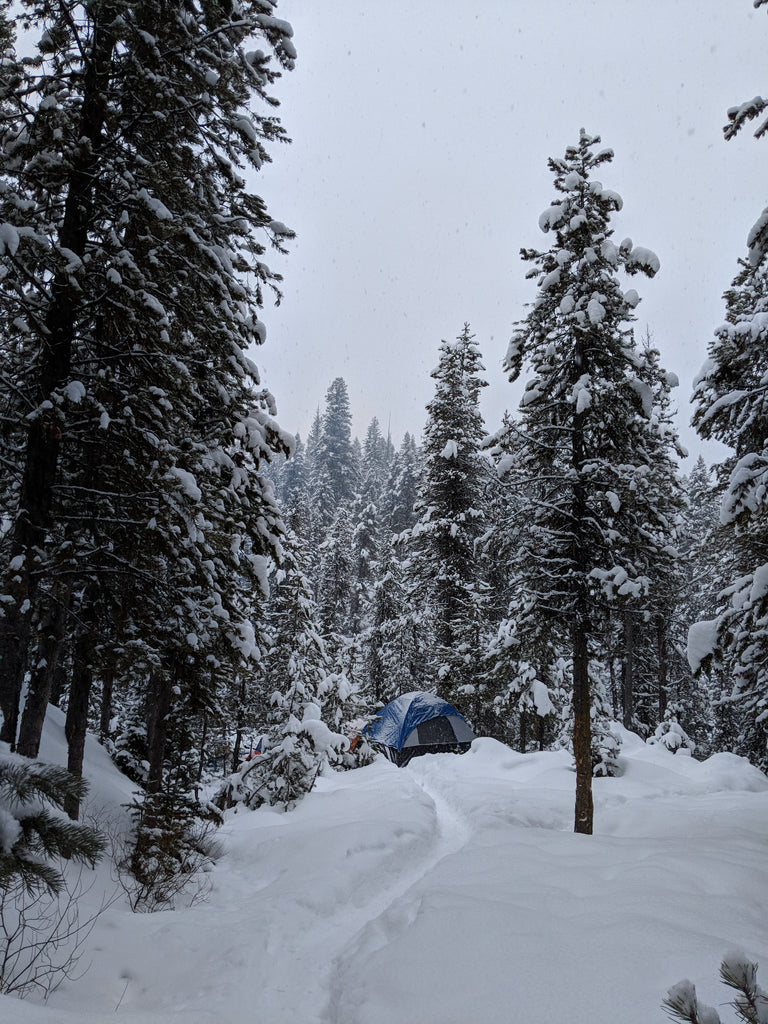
{"type": "Point", "coordinates": [418, 169]}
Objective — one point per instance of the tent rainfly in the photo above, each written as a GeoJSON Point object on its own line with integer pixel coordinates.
{"type": "Point", "coordinates": [419, 723]}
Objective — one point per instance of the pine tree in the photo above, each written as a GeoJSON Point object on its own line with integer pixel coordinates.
{"type": "Point", "coordinates": [446, 584]}
{"type": "Point", "coordinates": [374, 464]}
{"type": "Point", "coordinates": [731, 405]}
{"type": "Point", "coordinates": [336, 582]}
{"type": "Point", "coordinates": [335, 454]}
{"type": "Point", "coordinates": [299, 742]}
{"type": "Point", "coordinates": [133, 272]}
{"type": "Point", "coordinates": [402, 488]}
{"type": "Point", "coordinates": [392, 663]}
{"type": "Point", "coordinates": [584, 451]}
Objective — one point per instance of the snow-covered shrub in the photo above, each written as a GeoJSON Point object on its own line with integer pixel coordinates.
{"type": "Point", "coordinates": [606, 747]}
{"type": "Point", "coordinates": [173, 844]}
{"type": "Point", "coordinates": [344, 711]}
{"type": "Point", "coordinates": [670, 734]}
{"type": "Point", "coordinates": [524, 699]}
{"type": "Point", "coordinates": [295, 754]}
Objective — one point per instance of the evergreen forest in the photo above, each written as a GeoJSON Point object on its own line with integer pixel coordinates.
{"type": "Point", "coordinates": [227, 606]}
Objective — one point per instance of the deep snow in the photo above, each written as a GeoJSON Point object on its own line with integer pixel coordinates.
{"type": "Point", "coordinates": [451, 891]}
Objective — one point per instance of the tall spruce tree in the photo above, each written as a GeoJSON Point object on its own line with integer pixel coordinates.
{"type": "Point", "coordinates": [445, 581]}
{"type": "Point", "coordinates": [335, 456]}
{"type": "Point", "coordinates": [583, 452]}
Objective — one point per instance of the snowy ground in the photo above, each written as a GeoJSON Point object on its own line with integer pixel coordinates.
{"type": "Point", "coordinates": [448, 892]}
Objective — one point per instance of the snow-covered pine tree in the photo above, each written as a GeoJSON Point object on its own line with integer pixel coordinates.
{"type": "Point", "coordinates": [705, 709]}
{"type": "Point", "coordinates": [298, 742]}
{"type": "Point", "coordinates": [335, 454]}
{"type": "Point", "coordinates": [445, 581]}
{"type": "Point", "coordinates": [519, 676]}
{"type": "Point", "coordinates": [391, 662]}
{"type": "Point", "coordinates": [654, 500]}
{"type": "Point", "coordinates": [731, 405]}
{"type": "Point", "coordinates": [336, 582]}
{"type": "Point", "coordinates": [730, 402]}
{"type": "Point", "coordinates": [366, 541]}
{"type": "Point", "coordinates": [294, 491]}
{"type": "Point", "coordinates": [374, 466]}
{"type": "Point", "coordinates": [402, 489]}
{"type": "Point", "coordinates": [132, 275]}
{"type": "Point", "coordinates": [582, 418]}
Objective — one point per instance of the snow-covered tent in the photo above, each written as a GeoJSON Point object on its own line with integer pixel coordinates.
{"type": "Point", "coordinates": [419, 723]}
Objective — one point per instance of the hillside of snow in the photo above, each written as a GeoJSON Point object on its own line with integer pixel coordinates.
{"type": "Point", "coordinates": [451, 891]}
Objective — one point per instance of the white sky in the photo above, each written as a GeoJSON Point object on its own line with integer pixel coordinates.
{"type": "Point", "coordinates": [419, 168]}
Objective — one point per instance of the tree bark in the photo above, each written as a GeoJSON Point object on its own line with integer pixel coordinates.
{"type": "Point", "coordinates": [157, 727]}
{"type": "Point", "coordinates": [107, 689]}
{"type": "Point", "coordinates": [628, 672]}
{"type": "Point", "coordinates": [41, 682]}
{"type": "Point", "coordinates": [580, 623]}
{"type": "Point", "coordinates": [661, 647]}
{"type": "Point", "coordinates": [76, 724]}
{"type": "Point", "coordinates": [240, 726]}
{"type": "Point", "coordinates": [582, 730]}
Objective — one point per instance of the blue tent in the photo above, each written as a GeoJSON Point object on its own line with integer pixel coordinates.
{"type": "Point", "coordinates": [419, 723]}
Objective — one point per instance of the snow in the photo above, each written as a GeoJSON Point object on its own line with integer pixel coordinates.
{"type": "Point", "coordinates": [447, 892]}
{"type": "Point", "coordinates": [759, 584]}
{"type": "Point", "coordinates": [595, 311]}
{"type": "Point", "coordinates": [75, 392]}
{"type": "Point", "coordinates": [10, 830]}
{"type": "Point", "coordinates": [9, 239]}
{"type": "Point", "coordinates": [641, 258]}
{"type": "Point", "coordinates": [551, 218]}
{"type": "Point", "coordinates": [187, 482]}
{"type": "Point", "coordinates": [450, 451]}
{"type": "Point", "coordinates": [613, 500]}
{"type": "Point", "coordinates": [702, 640]}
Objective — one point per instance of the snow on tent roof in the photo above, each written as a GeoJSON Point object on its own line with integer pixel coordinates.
{"type": "Point", "coordinates": [404, 713]}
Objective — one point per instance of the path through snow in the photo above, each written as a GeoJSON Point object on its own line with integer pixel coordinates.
{"type": "Point", "coordinates": [449, 892]}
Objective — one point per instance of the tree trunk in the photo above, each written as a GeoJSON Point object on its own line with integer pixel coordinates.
{"type": "Point", "coordinates": [240, 726]}
{"type": "Point", "coordinates": [157, 728]}
{"type": "Point", "coordinates": [523, 731]}
{"type": "Point", "coordinates": [59, 681]}
{"type": "Point", "coordinates": [44, 434]}
{"type": "Point", "coordinates": [41, 683]}
{"type": "Point", "coordinates": [628, 672]}
{"type": "Point", "coordinates": [582, 730]}
{"type": "Point", "coordinates": [203, 741]}
{"type": "Point", "coordinates": [76, 724]}
{"type": "Point", "coordinates": [612, 673]}
{"type": "Point", "coordinates": [580, 623]}
{"type": "Point", "coordinates": [661, 646]}
{"type": "Point", "coordinates": [107, 690]}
